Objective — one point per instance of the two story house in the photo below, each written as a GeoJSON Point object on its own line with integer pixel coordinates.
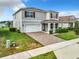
{"type": "Point", "coordinates": [34, 20]}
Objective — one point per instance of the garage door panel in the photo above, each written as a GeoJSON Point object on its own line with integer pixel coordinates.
{"type": "Point", "coordinates": [33, 28]}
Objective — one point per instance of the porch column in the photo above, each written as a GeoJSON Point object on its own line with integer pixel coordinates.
{"type": "Point", "coordinates": [73, 25]}
{"type": "Point", "coordinates": [49, 27]}
{"type": "Point", "coordinates": [54, 29]}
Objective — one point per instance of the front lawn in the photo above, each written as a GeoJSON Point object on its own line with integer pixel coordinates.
{"type": "Point", "coordinates": [49, 55]}
{"type": "Point", "coordinates": [67, 36]}
{"type": "Point", "coordinates": [23, 41]}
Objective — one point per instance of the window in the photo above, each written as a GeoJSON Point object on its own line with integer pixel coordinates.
{"type": "Point", "coordinates": [51, 15]}
{"type": "Point", "coordinates": [56, 25]}
{"type": "Point", "coordinates": [29, 14]}
{"type": "Point", "coordinates": [51, 26]}
{"type": "Point", "coordinates": [56, 15]}
{"type": "Point", "coordinates": [71, 25]}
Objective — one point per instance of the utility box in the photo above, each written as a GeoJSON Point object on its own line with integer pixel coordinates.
{"type": "Point", "coordinates": [7, 43]}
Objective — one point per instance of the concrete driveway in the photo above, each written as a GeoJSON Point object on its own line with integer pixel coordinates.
{"type": "Point", "coordinates": [68, 52]}
{"type": "Point", "coordinates": [44, 38]}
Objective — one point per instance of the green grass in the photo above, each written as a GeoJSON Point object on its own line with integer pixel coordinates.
{"type": "Point", "coordinates": [67, 36]}
{"type": "Point", "coordinates": [49, 55]}
{"type": "Point", "coordinates": [23, 41]}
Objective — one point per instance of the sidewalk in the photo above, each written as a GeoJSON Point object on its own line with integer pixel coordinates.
{"type": "Point", "coordinates": [42, 50]}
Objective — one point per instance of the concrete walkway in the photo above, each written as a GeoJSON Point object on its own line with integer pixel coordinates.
{"type": "Point", "coordinates": [68, 52]}
{"type": "Point", "coordinates": [53, 47]}
{"type": "Point", "coordinates": [44, 38]}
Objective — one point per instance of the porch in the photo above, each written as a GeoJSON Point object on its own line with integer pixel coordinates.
{"type": "Point", "coordinates": [49, 26]}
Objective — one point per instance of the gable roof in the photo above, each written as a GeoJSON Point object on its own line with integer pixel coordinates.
{"type": "Point", "coordinates": [34, 9]}
{"type": "Point", "coordinates": [52, 11]}
{"type": "Point", "coordinates": [31, 8]}
{"type": "Point", "coordinates": [70, 18]}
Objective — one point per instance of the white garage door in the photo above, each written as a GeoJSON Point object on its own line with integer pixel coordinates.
{"type": "Point", "coordinates": [32, 28]}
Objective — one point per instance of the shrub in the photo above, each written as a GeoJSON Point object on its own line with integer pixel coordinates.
{"type": "Point", "coordinates": [61, 30]}
{"type": "Point", "coordinates": [12, 29]}
{"type": "Point", "coordinates": [70, 28]}
{"type": "Point", "coordinates": [18, 31]}
{"type": "Point", "coordinates": [50, 31]}
{"type": "Point", "coordinates": [77, 28]}
{"type": "Point", "coordinates": [77, 31]}
{"type": "Point", "coordinates": [13, 44]}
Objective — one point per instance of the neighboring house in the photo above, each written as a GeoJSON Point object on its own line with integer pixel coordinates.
{"type": "Point", "coordinates": [77, 19]}
{"type": "Point", "coordinates": [34, 20]}
{"type": "Point", "coordinates": [3, 24]}
{"type": "Point", "coordinates": [67, 21]}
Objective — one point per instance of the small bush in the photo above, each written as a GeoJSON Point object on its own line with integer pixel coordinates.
{"type": "Point", "coordinates": [13, 44]}
{"type": "Point", "coordinates": [18, 31]}
{"type": "Point", "coordinates": [12, 29]}
{"type": "Point", "coordinates": [77, 31]}
{"type": "Point", "coordinates": [76, 28]}
{"type": "Point", "coordinates": [51, 32]}
{"type": "Point", "coordinates": [70, 28]}
{"type": "Point", "coordinates": [61, 30]}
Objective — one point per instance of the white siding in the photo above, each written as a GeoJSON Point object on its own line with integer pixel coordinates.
{"type": "Point", "coordinates": [39, 16]}
{"type": "Point", "coordinates": [17, 22]}
{"type": "Point", "coordinates": [48, 16]}
{"type": "Point", "coordinates": [64, 25]}
{"type": "Point", "coordinates": [29, 24]}
{"type": "Point", "coordinates": [33, 24]}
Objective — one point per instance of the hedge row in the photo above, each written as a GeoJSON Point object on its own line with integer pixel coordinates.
{"type": "Point", "coordinates": [62, 30]}
{"type": "Point", "coordinates": [14, 30]}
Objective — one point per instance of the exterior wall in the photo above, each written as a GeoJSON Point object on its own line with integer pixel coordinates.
{"type": "Point", "coordinates": [64, 25]}
{"type": "Point", "coordinates": [39, 17]}
{"type": "Point", "coordinates": [21, 22]}
{"type": "Point", "coordinates": [17, 22]}
{"type": "Point", "coordinates": [77, 19]}
{"type": "Point", "coordinates": [48, 16]}
{"type": "Point", "coordinates": [73, 24]}
{"type": "Point", "coordinates": [54, 16]}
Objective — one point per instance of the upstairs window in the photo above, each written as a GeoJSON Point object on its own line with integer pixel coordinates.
{"type": "Point", "coordinates": [56, 15]}
{"type": "Point", "coordinates": [29, 14]}
{"type": "Point", "coordinates": [51, 15]}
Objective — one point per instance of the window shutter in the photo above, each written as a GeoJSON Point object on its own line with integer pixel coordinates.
{"type": "Point", "coordinates": [34, 14]}
{"type": "Point", "coordinates": [56, 15]}
{"type": "Point", "coordinates": [51, 15]}
{"type": "Point", "coordinates": [25, 13]}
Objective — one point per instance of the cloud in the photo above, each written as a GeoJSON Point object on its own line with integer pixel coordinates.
{"type": "Point", "coordinates": [66, 13]}
{"type": "Point", "coordinates": [14, 4]}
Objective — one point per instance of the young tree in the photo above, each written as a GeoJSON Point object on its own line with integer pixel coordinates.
{"type": "Point", "coordinates": [9, 23]}
{"type": "Point", "coordinates": [77, 27]}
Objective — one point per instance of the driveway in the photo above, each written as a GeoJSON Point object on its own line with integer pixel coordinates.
{"type": "Point", "coordinates": [68, 52]}
{"type": "Point", "coordinates": [44, 38]}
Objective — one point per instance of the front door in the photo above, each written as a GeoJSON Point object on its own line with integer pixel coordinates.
{"type": "Point", "coordinates": [45, 27]}
{"type": "Point", "coordinates": [56, 25]}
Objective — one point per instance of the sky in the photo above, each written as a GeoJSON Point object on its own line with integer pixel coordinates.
{"type": "Point", "coordinates": [64, 7]}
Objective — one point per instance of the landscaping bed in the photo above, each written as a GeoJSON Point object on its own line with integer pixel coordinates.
{"type": "Point", "coordinates": [23, 42]}
{"type": "Point", "coordinates": [49, 55]}
{"type": "Point", "coordinates": [68, 35]}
